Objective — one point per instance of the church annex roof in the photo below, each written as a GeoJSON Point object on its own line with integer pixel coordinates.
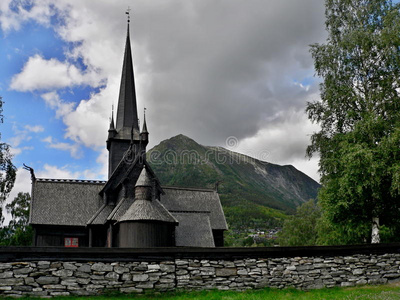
{"type": "Point", "coordinates": [65, 201]}
{"type": "Point", "coordinates": [178, 199]}
{"type": "Point", "coordinates": [194, 229]}
{"type": "Point", "coordinates": [100, 217]}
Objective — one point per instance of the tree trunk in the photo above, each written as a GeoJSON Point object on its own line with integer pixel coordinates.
{"type": "Point", "coordinates": [375, 238]}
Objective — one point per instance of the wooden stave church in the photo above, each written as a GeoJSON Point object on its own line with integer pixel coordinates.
{"type": "Point", "coordinates": [131, 208]}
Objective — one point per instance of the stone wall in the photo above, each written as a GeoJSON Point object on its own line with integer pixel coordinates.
{"type": "Point", "coordinates": [53, 278]}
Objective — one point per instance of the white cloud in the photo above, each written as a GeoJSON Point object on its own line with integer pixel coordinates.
{"type": "Point", "coordinates": [193, 76]}
{"type": "Point", "coordinates": [34, 128]}
{"type": "Point", "coordinates": [21, 136]}
{"type": "Point", "coordinates": [102, 160]}
{"type": "Point", "coordinates": [55, 172]}
{"type": "Point", "coordinates": [41, 74]}
{"type": "Point", "coordinates": [61, 107]}
{"type": "Point", "coordinates": [74, 149]}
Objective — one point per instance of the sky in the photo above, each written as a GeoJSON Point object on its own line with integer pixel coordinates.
{"type": "Point", "coordinates": [229, 73]}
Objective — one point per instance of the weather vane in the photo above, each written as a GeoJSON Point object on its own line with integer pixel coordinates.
{"type": "Point", "coordinates": [128, 13]}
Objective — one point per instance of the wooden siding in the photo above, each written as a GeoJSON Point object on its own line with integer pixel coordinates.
{"type": "Point", "coordinates": [146, 234]}
{"type": "Point", "coordinates": [55, 235]}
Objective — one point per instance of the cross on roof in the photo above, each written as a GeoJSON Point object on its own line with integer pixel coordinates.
{"type": "Point", "coordinates": [128, 13]}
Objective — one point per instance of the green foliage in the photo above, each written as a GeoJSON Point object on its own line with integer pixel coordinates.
{"type": "Point", "coordinates": [7, 169]}
{"type": "Point", "coordinates": [359, 117]}
{"type": "Point", "coordinates": [18, 232]}
{"type": "Point", "coordinates": [301, 228]}
{"type": "Point", "coordinates": [253, 216]}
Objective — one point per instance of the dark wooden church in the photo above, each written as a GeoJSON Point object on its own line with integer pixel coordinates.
{"type": "Point", "coordinates": [131, 208]}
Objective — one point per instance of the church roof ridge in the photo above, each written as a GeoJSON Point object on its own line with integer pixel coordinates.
{"type": "Point", "coordinates": [188, 188]}
{"type": "Point", "coordinates": [71, 180]}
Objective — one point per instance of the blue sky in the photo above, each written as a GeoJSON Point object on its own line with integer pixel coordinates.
{"type": "Point", "coordinates": [209, 70]}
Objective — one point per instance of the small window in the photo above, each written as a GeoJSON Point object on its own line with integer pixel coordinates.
{"type": "Point", "coordinates": [71, 242]}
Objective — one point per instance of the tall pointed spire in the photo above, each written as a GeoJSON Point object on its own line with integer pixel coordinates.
{"type": "Point", "coordinates": [127, 111]}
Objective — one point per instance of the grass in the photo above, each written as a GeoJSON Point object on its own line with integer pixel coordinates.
{"type": "Point", "coordinates": [382, 292]}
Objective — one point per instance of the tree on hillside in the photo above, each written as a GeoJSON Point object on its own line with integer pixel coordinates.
{"type": "Point", "coordinates": [359, 114]}
{"type": "Point", "coordinates": [7, 169]}
{"type": "Point", "coordinates": [18, 232]}
{"type": "Point", "coordinates": [300, 229]}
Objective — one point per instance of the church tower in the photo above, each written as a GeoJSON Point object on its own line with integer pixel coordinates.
{"type": "Point", "coordinates": [126, 129]}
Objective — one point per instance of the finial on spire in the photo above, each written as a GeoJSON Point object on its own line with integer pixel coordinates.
{"type": "Point", "coordinates": [144, 129]}
{"type": "Point", "coordinates": [112, 126]}
{"type": "Point", "coordinates": [128, 13]}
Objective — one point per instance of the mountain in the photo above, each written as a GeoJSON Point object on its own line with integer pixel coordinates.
{"type": "Point", "coordinates": [244, 182]}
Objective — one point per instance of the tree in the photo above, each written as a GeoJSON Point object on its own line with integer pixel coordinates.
{"type": "Point", "coordinates": [300, 229]}
{"type": "Point", "coordinates": [18, 232]}
{"type": "Point", "coordinates": [359, 114]}
{"type": "Point", "coordinates": [7, 169]}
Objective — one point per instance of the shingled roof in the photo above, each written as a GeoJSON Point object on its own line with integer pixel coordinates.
{"type": "Point", "coordinates": [145, 210]}
{"type": "Point", "coordinates": [65, 202]}
{"type": "Point", "coordinates": [195, 200]}
{"type": "Point", "coordinates": [194, 230]}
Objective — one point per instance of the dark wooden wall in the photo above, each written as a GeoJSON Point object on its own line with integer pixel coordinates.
{"type": "Point", "coordinates": [53, 235]}
{"type": "Point", "coordinates": [146, 234]}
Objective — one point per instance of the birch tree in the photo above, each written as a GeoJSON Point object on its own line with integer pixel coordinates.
{"type": "Point", "coordinates": [359, 113]}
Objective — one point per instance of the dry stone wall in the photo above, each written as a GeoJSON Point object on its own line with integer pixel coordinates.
{"type": "Point", "coordinates": [54, 278]}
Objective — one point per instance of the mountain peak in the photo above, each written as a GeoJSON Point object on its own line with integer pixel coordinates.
{"type": "Point", "coordinates": [181, 161]}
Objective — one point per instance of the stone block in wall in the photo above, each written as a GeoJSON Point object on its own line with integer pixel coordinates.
{"type": "Point", "coordinates": [55, 265]}
{"type": "Point", "coordinates": [4, 266]}
{"type": "Point", "coordinates": [23, 271]}
{"type": "Point", "coordinates": [23, 288]}
{"type": "Point", "coordinates": [70, 266]}
{"type": "Point", "coordinates": [63, 273]}
{"type": "Point", "coordinates": [85, 268]}
{"type": "Point", "coordinates": [207, 271]}
{"type": "Point", "coordinates": [101, 267]}
{"type": "Point", "coordinates": [69, 282]}
{"type": "Point", "coordinates": [43, 272]}
{"type": "Point", "coordinates": [47, 280]}
{"type": "Point", "coordinates": [126, 277]}
{"type": "Point", "coordinates": [112, 276]}
{"type": "Point", "coordinates": [54, 287]}
{"type": "Point", "coordinates": [167, 268]}
{"type": "Point", "coordinates": [83, 281]}
{"type": "Point", "coordinates": [6, 274]}
{"type": "Point", "coordinates": [60, 294]}
{"type": "Point", "coordinates": [129, 290]}
{"type": "Point", "coordinates": [140, 277]}
{"type": "Point", "coordinates": [223, 272]}
{"type": "Point", "coordinates": [121, 270]}
{"type": "Point", "coordinates": [82, 275]}
{"type": "Point", "coordinates": [145, 285]}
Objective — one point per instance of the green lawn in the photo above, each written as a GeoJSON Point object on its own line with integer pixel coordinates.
{"type": "Point", "coordinates": [365, 292]}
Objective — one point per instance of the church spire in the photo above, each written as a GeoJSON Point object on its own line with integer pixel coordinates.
{"type": "Point", "coordinates": [127, 111]}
